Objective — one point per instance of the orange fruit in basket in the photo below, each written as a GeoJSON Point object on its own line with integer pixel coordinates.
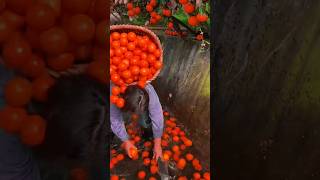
{"type": "Point", "coordinates": [152, 178]}
{"type": "Point", "coordinates": [11, 119]}
{"type": "Point", "coordinates": [183, 147]}
{"type": "Point", "coordinates": [141, 174]}
{"type": "Point", "coordinates": [83, 52]}
{"type": "Point", "coordinates": [153, 169]}
{"type": "Point", "coordinates": [115, 90]}
{"type": "Point", "coordinates": [166, 12]}
{"type": "Point", "coordinates": [34, 67]}
{"type": "Point", "coordinates": [146, 161]}
{"type": "Point", "coordinates": [18, 92]}
{"type": "Point", "coordinates": [198, 167]}
{"type": "Point", "coordinates": [176, 157]}
{"type": "Point", "coordinates": [16, 51]}
{"type": "Point", "coordinates": [114, 160]}
{"type": "Point", "coordinates": [188, 142]}
{"type": "Point", "coordinates": [81, 28]}
{"type": "Point", "coordinates": [15, 20]}
{"type": "Point", "coordinates": [129, 6]}
{"type": "Point", "coordinates": [76, 6]}
{"type": "Point", "coordinates": [40, 17]}
{"type": "Point", "coordinates": [164, 143]}
{"type": "Point", "coordinates": [54, 41]}
{"type": "Point", "coordinates": [2, 4]}
{"type": "Point", "coordinates": [206, 175]}
{"type": "Point", "coordinates": [196, 175]}
{"type": "Point", "coordinates": [41, 86]}
{"type": "Point", "coordinates": [61, 62]}
{"type": "Point", "coordinates": [19, 6]}
{"type": "Point", "coordinates": [114, 177]}
{"type": "Point", "coordinates": [33, 130]}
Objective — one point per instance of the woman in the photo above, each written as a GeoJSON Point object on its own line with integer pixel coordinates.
{"type": "Point", "coordinates": [145, 103]}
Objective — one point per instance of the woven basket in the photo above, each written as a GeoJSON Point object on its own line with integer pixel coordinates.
{"type": "Point", "coordinates": [140, 30]}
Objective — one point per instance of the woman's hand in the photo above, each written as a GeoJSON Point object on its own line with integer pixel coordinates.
{"type": "Point", "coordinates": [157, 149]}
{"type": "Point", "coordinates": [127, 146]}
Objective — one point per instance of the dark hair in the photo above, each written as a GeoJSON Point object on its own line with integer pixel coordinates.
{"type": "Point", "coordinates": [136, 100]}
{"type": "Point", "coordinates": [77, 126]}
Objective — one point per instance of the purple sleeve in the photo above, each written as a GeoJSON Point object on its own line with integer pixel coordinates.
{"type": "Point", "coordinates": [117, 123]}
{"type": "Point", "coordinates": [155, 111]}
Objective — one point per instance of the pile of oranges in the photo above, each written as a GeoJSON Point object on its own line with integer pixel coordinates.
{"type": "Point", "coordinates": [133, 59]}
{"type": "Point", "coordinates": [42, 36]}
{"type": "Point", "coordinates": [176, 150]}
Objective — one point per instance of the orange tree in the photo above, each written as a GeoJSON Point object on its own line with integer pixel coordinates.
{"type": "Point", "coordinates": [193, 16]}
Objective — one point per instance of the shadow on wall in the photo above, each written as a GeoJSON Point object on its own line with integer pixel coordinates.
{"type": "Point", "coordinates": [184, 88]}
{"type": "Point", "coordinates": [269, 95]}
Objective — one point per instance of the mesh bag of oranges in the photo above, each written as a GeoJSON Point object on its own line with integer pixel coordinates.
{"type": "Point", "coordinates": [136, 58]}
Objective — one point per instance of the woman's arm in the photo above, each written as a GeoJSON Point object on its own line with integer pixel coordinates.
{"type": "Point", "coordinates": [156, 116]}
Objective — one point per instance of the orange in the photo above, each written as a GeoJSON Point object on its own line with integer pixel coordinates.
{"type": "Point", "coordinates": [114, 177]}
{"type": "Point", "coordinates": [120, 157]}
{"type": "Point", "coordinates": [145, 154]}
{"type": "Point", "coordinates": [40, 17]}
{"type": "Point", "coordinates": [181, 163]}
{"type": "Point", "coordinates": [61, 62]}
{"type": "Point", "coordinates": [196, 175]}
{"type": "Point", "coordinates": [182, 178]}
{"type": "Point", "coordinates": [16, 51]}
{"type": "Point", "coordinates": [153, 169]}
{"type": "Point", "coordinates": [193, 21]}
{"type": "Point", "coordinates": [54, 41]}
{"type": "Point", "coordinates": [189, 157]}
{"type": "Point", "coordinates": [146, 161]}
{"type": "Point", "coordinates": [33, 131]}
{"type": "Point", "coordinates": [81, 28]}
{"type": "Point", "coordinates": [175, 148]}
{"type": "Point", "coordinates": [141, 174]}
{"type": "Point", "coordinates": [18, 92]}
{"type": "Point", "coordinates": [41, 86]}
{"type": "Point", "coordinates": [34, 67]}
{"type": "Point", "coordinates": [206, 175]}
{"type": "Point", "coordinates": [11, 119]}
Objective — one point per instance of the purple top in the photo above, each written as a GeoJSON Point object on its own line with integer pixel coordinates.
{"type": "Point", "coordinates": [155, 114]}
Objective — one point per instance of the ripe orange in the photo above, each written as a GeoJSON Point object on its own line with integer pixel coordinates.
{"type": "Point", "coordinates": [153, 169]}
{"type": "Point", "coordinates": [61, 62]}
{"type": "Point", "coordinates": [18, 92]}
{"type": "Point", "coordinates": [146, 161]}
{"type": "Point", "coordinates": [188, 8]}
{"type": "Point", "coordinates": [54, 41]}
{"type": "Point", "coordinates": [145, 154]}
{"type": "Point", "coordinates": [114, 177]}
{"type": "Point", "coordinates": [189, 157]}
{"type": "Point", "coordinates": [40, 16]}
{"type": "Point", "coordinates": [141, 174]}
{"type": "Point", "coordinates": [193, 21]}
{"type": "Point", "coordinates": [196, 176]}
{"type": "Point", "coordinates": [81, 28]}
{"type": "Point", "coordinates": [33, 131]}
{"type": "Point", "coordinates": [41, 86]}
{"type": "Point", "coordinates": [206, 175]}
{"type": "Point", "coordinates": [12, 119]}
